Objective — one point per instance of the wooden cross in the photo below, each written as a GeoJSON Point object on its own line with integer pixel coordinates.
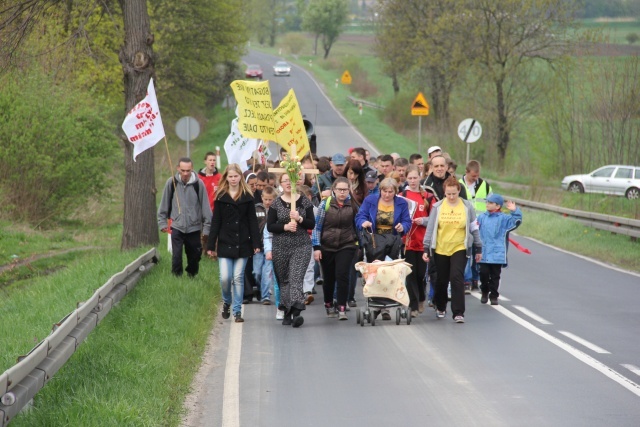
{"type": "Point", "coordinates": [294, 157]}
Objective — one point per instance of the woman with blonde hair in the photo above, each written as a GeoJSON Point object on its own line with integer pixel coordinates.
{"type": "Point", "coordinates": [234, 237]}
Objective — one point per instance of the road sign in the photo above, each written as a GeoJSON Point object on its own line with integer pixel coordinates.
{"type": "Point", "coordinates": [346, 78]}
{"type": "Point", "coordinates": [420, 107]}
{"type": "Point", "coordinates": [469, 131]}
{"type": "Point", "coordinates": [187, 130]}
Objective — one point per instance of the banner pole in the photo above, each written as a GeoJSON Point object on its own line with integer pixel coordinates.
{"type": "Point", "coordinates": [166, 144]}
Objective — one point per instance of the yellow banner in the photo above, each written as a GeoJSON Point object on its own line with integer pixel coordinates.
{"type": "Point", "coordinates": [255, 111]}
{"type": "Point", "coordinates": [289, 127]}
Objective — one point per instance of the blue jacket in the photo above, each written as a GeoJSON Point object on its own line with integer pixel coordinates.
{"type": "Point", "coordinates": [369, 211]}
{"type": "Point", "coordinates": [494, 233]}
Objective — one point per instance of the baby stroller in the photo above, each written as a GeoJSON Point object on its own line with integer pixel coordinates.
{"type": "Point", "coordinates": [384, 281]}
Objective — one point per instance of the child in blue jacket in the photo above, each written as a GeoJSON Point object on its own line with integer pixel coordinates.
{"type": "Point", "coordinates": [494, 233]}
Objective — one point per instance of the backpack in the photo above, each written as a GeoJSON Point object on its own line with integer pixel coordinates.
{"type": "Point", "coordinates": [173, 190]}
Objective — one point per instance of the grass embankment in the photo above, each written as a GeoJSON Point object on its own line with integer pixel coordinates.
{"type": "Point", "coordinates": [136, 367]}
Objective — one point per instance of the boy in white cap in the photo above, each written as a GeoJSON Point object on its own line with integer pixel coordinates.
{"type": "Point", "coordinates": [434, 151]}
{"type": "Point", "coordinates": [494, 233]}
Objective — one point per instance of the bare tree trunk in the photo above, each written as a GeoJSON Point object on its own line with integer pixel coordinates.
{"type": "Point", "coordinates": [503, 125]}
{"type": "Point", "coordinates": [395, 83]}
{"type": "Point", "coordinates": [140, 227]}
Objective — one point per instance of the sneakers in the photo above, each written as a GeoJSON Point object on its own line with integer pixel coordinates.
{"type": "Point", "coordinates": [414, 313]}
{"type": "Point", "coordinates": [331, 310]}
{"type": "Point", "coordinates": [430, 303]}
{"type": "Point", "coordinates": [225, 311]}
{"type": "Point", "coordinates": [266, 302]}
{"type": "Point", "coordinates": [484, 298]}
{"type": "Point", "coordinates": [319, 281]}
{"type": "Point", "coordinates": [474, 285]}
{"type": "Point", "coordinates": [467, 288]}
{"type": "Point", "coordinates": [494, 300]}
{"type": "Point", "coordinates": [279, 314]}
{"type": "Point", "coordinates": [308, 298]}
{"type": "Point", "coordinates": [238, 317]}
{"type": "Point", "coordinates": [352, 303]}
{"type": "Point", "coordinates": [342, 314]}
{"type": "Point", "coordinates": [386, 315]}
{"type": "Point", "coordinates": [458, 319]}
{"type": "Point", "coordinates": [440, 314]}
{"type": "Point", "coordinates": [421, 306]}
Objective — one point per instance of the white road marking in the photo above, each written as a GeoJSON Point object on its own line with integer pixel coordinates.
{"type": "Point", "coordinates": [585, 343]}
{"type": "Point", "coordinates": [632, 368]}
{"type": "Point", "coordinates": [532, 315]}
{"type": "Point", "coordinates": [581, 356]}
{"type": "Point", "coordinates": [231, 395]}
{"type": "Point", "coordinates": [503, 298]}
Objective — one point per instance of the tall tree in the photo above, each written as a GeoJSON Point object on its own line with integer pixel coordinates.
{"type": "Point", "coordinates": [324, 19]}
{"type": "Point", "coordinates": [429, 40]}
{"type": "Point", "coordinates": [513, 36]}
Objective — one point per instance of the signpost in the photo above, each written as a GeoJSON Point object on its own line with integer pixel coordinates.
{"type": "Point", "coordinates": [420, 108]}
{"type": "Point", "coordinates": [469, 132]}
{"type": "Point", "coordinates": [187, 129]}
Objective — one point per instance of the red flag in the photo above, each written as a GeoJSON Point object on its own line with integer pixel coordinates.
{"type": "Point", "coordinates": [519, 246]}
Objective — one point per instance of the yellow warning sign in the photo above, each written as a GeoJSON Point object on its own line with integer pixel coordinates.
{"type": "Point", "coordinates": [346, 78]}
{"type": "Point", "coordinates": [420, 107]}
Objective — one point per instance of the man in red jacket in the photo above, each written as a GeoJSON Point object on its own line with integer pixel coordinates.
{"type": "Point", "coordinates": [210, 177]}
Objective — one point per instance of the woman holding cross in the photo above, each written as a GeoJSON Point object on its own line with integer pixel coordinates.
{"type": "Point", "coordinates": [289, 218]}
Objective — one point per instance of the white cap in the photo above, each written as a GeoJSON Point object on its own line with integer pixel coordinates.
{"type": "Point", "coordinates": [432, 149]}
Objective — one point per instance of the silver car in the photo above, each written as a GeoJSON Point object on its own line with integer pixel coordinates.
{"type": "Point", "coordinates": [282, 69]}
{"type": "Point", "coordinates": [612, 179]}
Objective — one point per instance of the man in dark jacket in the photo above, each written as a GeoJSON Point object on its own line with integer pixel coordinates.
{"type": "Point", "coordinates": [186, 203]}
{"type": "Point", "coordinates": [325, 181]}
{"type": "Point", "coordinates": [433, 183]}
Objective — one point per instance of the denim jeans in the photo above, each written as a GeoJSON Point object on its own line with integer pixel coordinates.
{"type": "Point", "coordinates": [471, 271]}
{"type": "Point", "coordinates": [263, 274]}
{"type": "Point", "coordinates": [232, 281]}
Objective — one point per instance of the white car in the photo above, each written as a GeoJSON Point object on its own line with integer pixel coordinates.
{"type": "Point", "coordinates": [612, 179]}
{"type": "Point", "coordinates": [282, 68]}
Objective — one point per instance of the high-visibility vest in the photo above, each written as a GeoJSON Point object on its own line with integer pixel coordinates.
{"type": "Point", "coordinates": [480, 199]}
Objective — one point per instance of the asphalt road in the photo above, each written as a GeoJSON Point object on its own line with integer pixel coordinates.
{"type": "Point", "coordinates": [562, 348]}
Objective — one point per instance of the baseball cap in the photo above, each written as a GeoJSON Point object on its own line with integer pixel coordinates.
{"type": "Point", "coordinates": [371, 176]}
{"type": "Point", "coordinates": [432, 149]}
{"type": "Point", "coordinates": [338, 159]}
{"type": "Point", "coordinates": [495, 198]}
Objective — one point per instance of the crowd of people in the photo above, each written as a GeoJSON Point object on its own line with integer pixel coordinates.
{"type": "Point", "coordinates": [275, 245]}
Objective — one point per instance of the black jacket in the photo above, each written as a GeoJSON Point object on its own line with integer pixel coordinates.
{"type": "Point", "coordinates": [234, 227]}
{"type": "Point", "coordinates": [433, 185]}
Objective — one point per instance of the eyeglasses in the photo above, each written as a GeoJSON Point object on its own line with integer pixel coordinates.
{"type": "Point", "coordinates": [342, 189]}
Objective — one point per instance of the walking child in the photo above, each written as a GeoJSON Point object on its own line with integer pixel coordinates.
{"type": "Point", "coordinates": [494, 233]}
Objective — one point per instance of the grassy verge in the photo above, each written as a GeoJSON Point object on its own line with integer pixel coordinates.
{"type": "Point", "coordinates": [571, 235]}
{"type": "Point", "coordinates": [136, 367]}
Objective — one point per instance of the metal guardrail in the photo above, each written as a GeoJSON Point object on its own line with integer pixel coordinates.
{"type": "Point", "coordinates": [615, 224]}
{"type": "Point", "coordinates": [356, 101]}
{"type": "Point", "coordinates": [20, 383]}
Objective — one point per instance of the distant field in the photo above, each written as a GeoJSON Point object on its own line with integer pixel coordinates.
{"type": "Point", "coordinates": [614, 30]}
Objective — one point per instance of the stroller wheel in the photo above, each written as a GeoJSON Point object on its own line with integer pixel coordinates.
{"type": "Point", "coordinates": [372, 319]}
{"type": "Point", "coordinates": [358, 314]}
{"type": "Point", "coordinates": [408, 314]}
{"type": "Point", "coordinates": [398, 315]}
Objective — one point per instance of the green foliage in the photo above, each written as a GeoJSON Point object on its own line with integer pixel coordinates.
{"type": "Point", "coordinates": [294, 43]}
{"type": "Point", "coordinates": [325, 18]}
{"type": "Point", "coordinates": [632, 38]}
{"type": "Point", "coordinates": [57, 148]}
{"type": "Point", "coordinates": [197, 45]}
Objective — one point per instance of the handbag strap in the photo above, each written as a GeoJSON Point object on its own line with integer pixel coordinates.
{"type": "Point", "coordinates": [373, 238]}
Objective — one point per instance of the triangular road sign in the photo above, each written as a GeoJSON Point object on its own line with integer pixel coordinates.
{"type": "Point", "coordinates": [420, 107]}
{"type": "Point", "coordinates": [346, 78]}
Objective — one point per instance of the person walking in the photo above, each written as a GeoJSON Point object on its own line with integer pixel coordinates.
{"type": "Point", "coordinates": [424, 201]}
{"type": "Point", "coordinates": [495, 227]}
{"type": "Point", "coordinates": [384, 213]}
{"type": "Point", "coordinates": [334, 242]}
{"type": "Point", "coordinates": [234, 237]}
{"type": "Point", "coordinates": [185, 203]}
{"type": "Point", "coordinates": [291, 248]}
{"type": "Point", "coordinates": [452, 230]}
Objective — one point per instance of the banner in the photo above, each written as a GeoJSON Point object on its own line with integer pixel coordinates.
{"type": "Point", "coordinates": [290, 126]}
{"type": "Point", "coordinates": [238, 148]}
{"type": "Point", "coordinates": [255, 111]}
{"type": "Point", "coordinates": [143, 124]}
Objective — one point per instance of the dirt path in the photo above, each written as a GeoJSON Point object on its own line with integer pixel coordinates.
{"type": "Point", "coordinates": [20, 262]}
